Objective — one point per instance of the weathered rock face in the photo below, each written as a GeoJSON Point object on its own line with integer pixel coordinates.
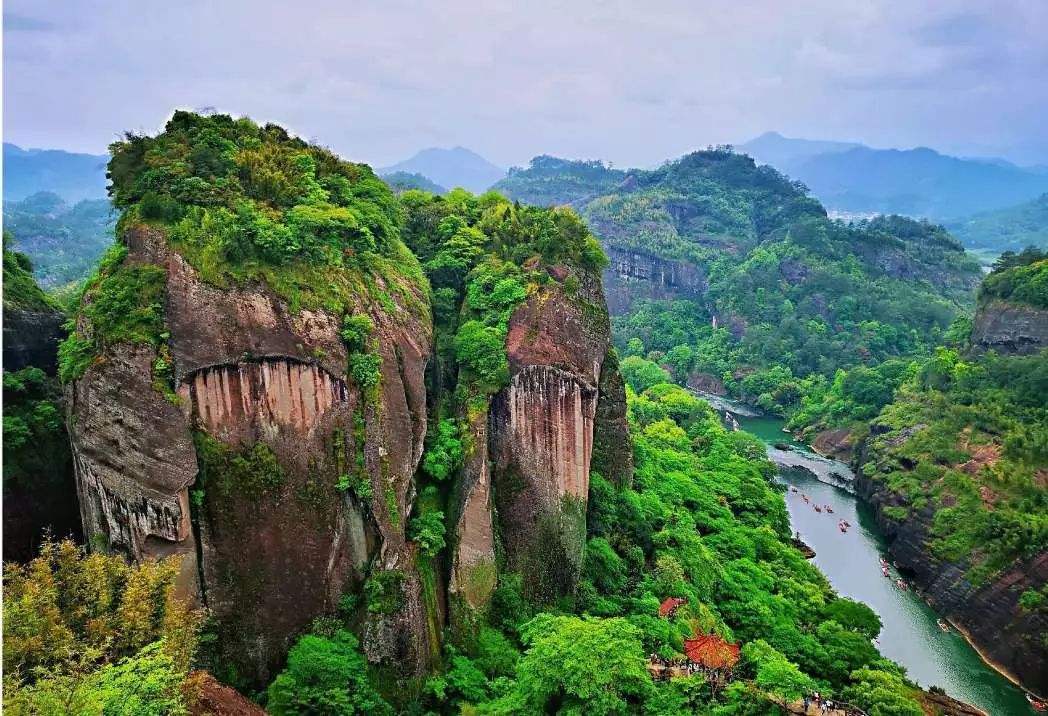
{"type": "Point", "coordinates": [838, 444]}
{"type": "Point", "coordinates": [31, 339]}
{"type": "Point", "coordinates": [990, 613]}
{"type": "Point", "coordinates": [260, 383]}
{"type": "Point", "coordinates": [1010, 328]}
{"type": "Point", "coordinates": [632, 275]}
{"type": "Point", "coordinates": [542, 431]}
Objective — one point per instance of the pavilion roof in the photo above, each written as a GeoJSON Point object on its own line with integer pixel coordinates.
{"type": "Point", "coordinates": [669, 605]}
{"type": "Point", "coordinates": [712, 652]}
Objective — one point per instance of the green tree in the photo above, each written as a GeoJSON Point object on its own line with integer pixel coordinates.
{"type": "Point", "coordinates": [583, 664]}
{"type": "Point", "coordinates": [325, 677]}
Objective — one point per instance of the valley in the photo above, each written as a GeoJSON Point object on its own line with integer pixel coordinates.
{"type": "Point", "coordinates": [912, 634]}
{"type": "Point", "coordinates": [452, 440]}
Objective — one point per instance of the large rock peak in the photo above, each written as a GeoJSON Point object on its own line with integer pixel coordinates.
{"type": "Point", "coordinates": [237, 467]}
{"type": "Point", "coordinates": [535, 448]}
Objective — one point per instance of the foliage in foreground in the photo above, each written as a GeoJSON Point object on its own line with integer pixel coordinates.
{"type": "Point", "coordinates": [90, 634]}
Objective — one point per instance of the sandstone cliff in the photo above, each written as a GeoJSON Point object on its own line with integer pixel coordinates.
{"type": "Point", "coordinates": [543, 427]}
{"type": "Point", "coordinates": [261, 406]}
{"type": "Point", "coordinates": [526, 482]}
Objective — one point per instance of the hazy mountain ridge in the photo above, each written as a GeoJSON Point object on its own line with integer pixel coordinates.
{"type": "Point", "coordinates": [70, 175]}
{"type": "Point", "coordinates": [917, 182]}
{"type": "Point", "coordinates": [1011, 228]}
{"type": "Point", "coordinates": [450, 168]}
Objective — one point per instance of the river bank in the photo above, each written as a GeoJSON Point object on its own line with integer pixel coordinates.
{"type": "Point", "coordinates": [911, 634]}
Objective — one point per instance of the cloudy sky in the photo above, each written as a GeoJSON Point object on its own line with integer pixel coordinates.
{"type": "Point", "coordinates": [631, 82]}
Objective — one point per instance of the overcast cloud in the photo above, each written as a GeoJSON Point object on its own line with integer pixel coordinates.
{"type": "Point", "coordinates": [631, 82]}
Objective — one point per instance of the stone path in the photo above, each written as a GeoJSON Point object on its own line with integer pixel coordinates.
{"type": "Point", "coordinates": [797, 707]}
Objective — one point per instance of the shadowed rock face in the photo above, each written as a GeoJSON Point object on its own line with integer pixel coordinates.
{"type": "Point", "coordinates": [1010, 329]}
{"type": "Point", "coordinates": [473, 576]}
{"type": "Point", "coordinates": [632, 275]}
{"type": "Point", "coordinates": [31, 339]}
{"type": "Point", "coordinates": [252, 375]}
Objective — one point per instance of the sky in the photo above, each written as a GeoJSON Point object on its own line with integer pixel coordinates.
{"type": "Point", "coordinates": [633, 83]}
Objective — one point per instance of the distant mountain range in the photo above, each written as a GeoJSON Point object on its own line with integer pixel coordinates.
{"type": "Point", "coordinates": [455, 167]}
{"type": "Point", "coordinates": [71, 176]}
{"type": "Point", "coordinates": [921, 182]}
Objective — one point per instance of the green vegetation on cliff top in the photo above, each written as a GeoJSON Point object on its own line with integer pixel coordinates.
{"type": "Point", "coordinates": [1018, 278]}
{"type": "Point", "coordinates": [243, 204]}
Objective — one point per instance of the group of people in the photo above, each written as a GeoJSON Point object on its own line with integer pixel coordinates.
{"type": "Point", "coordinates": [822, 704]}
{"type": "Point", "coordinates": [900, 582]}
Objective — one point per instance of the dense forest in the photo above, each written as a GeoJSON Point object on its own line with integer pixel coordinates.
{"type": "Point", "coordinates": [574, 609]}
{"type": "Point", "coordinates": [64, 241]}
{"type": "Point", "coordinates": [786, 296]}
{"type": "Point", "coordinates": [1010, 229]}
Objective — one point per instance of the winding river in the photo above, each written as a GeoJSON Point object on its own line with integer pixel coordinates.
{"type": "Point", "coordinates": [911, 635]}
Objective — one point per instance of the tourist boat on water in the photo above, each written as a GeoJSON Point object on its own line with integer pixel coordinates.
{"type": "Point", "coordinates": [943, 625]}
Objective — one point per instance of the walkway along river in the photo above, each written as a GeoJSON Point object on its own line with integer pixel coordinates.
{"type": "Point", "coordinates": [851, 561]}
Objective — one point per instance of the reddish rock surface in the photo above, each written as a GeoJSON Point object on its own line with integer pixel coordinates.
{"type": "Point", "coordinates": [250, 370]}
{"type": "Point", "coordinates": [838, 444]}
{"type": "Point", "coordinates": [210, 698]}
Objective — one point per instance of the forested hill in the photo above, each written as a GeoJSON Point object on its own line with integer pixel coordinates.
{"type": "Point", "coordinates": [1009, 229]}
{"type": "Point", "coordinates": [732, 274]}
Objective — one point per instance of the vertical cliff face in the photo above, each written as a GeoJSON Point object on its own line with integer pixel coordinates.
{"type": "Point", "coordinates": [543, 427]}
{"type": "Point", "coordinates": [263, 411]}
{"type": "Point", "coordinates": [633, 276]}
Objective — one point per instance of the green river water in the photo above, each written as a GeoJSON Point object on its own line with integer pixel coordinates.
{"type": "Point", "coordinates": [911, 635]}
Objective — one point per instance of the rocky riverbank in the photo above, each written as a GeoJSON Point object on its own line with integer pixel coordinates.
{"type": "Point", "coordinates": [1008, 637]}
